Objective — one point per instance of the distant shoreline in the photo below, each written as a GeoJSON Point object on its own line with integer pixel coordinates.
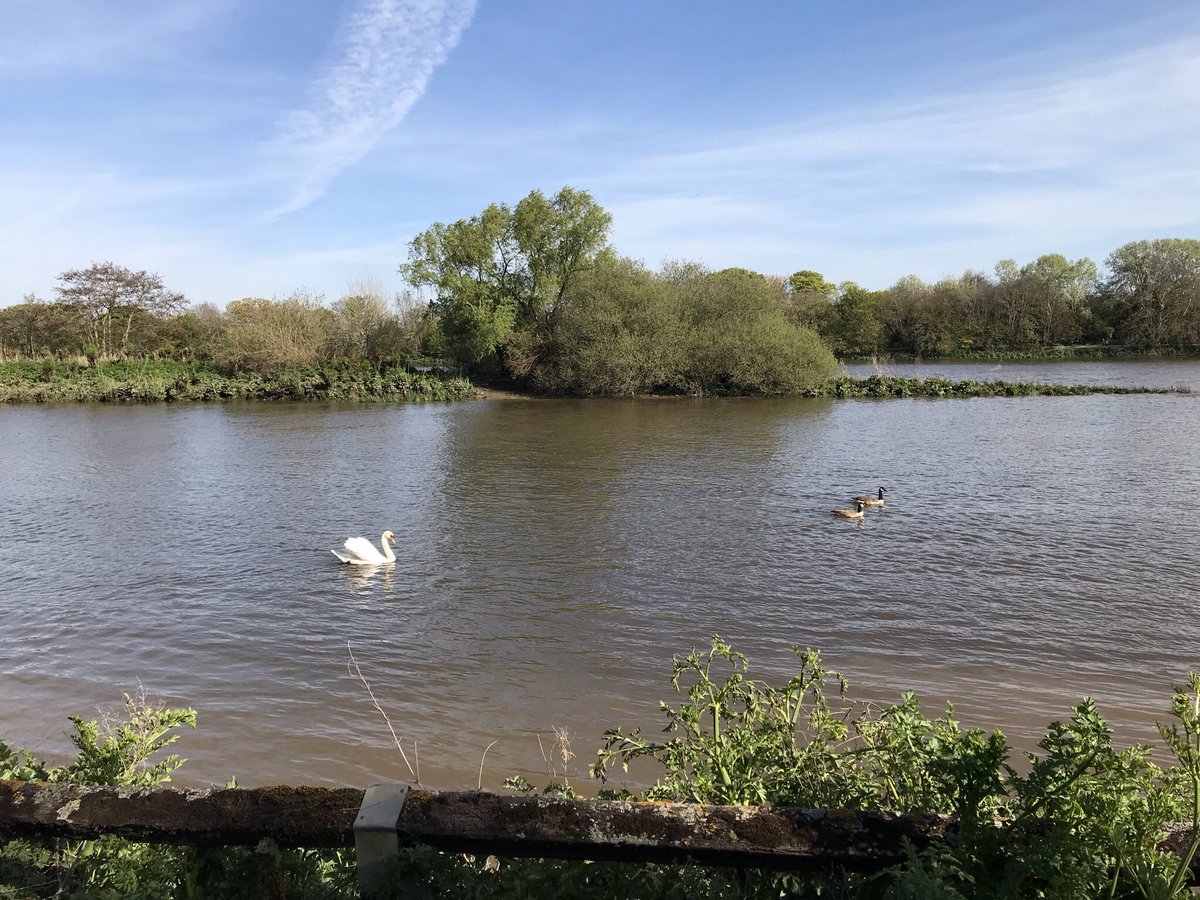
{"type": "Point", "coordinates": [167, 381]}
{"type": "Point", "coordinates": [1063, 353]}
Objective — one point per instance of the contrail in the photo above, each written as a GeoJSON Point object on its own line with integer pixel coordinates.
{"type": "Point", "coordinates": [383, 56]}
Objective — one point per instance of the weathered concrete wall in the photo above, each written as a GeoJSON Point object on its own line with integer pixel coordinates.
{"type": "Point", "coordinates": [473, 821]}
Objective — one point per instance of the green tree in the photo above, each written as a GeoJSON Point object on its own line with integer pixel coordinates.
{"type": "Point", "coordinates": [1153, 292]}
{"type": "Point", "coordinates": [617, 333]}
{"type": "Point", "coordinates": [1063, 287]}
{"type": "Point", "coordinates": [34, 327]}
{"type": "Point", "coordinates": [1016, 301]}
{"type": "Point", "coordinates": [854, 327]}
{"type": "Point", "coordinates": [1043, 302]}
{"type": "Point", "coordinates": [197, 332]}
{"type": "Point", "coordinates": [806, 281]}
{"type": "Point", "coordinates": [498, 277]}
{"type": "Point", "coordinates": [474, 268]}
{"type": "Point", "coordinates": [738, 339]}
{"type": "Point", "coordinates": [811, 299]}
{"type": "Point", "coordinates": [955, 315]}
{"type": "Point", "coordinates": [560, 237]}
{"type": "Point", "coordinates": [899, 312]}
{"type": "Point", "coordinates": [683, 271]}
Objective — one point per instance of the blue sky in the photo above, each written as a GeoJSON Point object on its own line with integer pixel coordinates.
{"type": "Point", "coordinates": [256, 148]}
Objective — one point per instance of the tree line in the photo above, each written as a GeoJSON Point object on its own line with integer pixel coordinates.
{"type": "Point", "coordinates": [1148, 301]}
{"type": "Point", "coordinates": [108, 312]}
{"type": "Point", "coordinates": [535, 294]}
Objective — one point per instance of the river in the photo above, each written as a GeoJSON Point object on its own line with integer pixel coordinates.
{"type": "Point", "coordinates": [553, 555]}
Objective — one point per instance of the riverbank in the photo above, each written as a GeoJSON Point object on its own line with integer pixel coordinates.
{"type": "Point", "coordinates": [173, 381]}
{"type": "Point", "coordinates": [146, 381]}
{"type": "Point", "coordinates": [1112, 820]}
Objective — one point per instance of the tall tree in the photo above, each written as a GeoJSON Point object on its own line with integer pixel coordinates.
{"type": "Point", "coordinates": [855, 328]}
{"type": "Point", "coordinates": [560, 238]}
{"type": "Point", "coordinates": [497, 277]}
{"type": "Point", "coordinates": [103, 290]}
{"type": "Point", "coordinates": [811, 299]}
{"type": "Point", "coordinates": [1016, 301]}
{"type": "Point", "coordinates": [473, 267]}
{"type": "Point", "coordinates": [1153, 288]}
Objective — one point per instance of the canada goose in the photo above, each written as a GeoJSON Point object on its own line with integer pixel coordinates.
{"type": "Point", "coordinates": [871, 500]}
{"type": "Point", "coordinates": [856, 513]}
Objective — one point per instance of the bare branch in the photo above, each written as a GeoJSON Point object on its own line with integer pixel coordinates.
{"type": "Point", "coordinates": [354, 669]}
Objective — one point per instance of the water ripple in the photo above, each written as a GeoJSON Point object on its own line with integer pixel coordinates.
{"type": "Point", "coordinates": [553, 556]}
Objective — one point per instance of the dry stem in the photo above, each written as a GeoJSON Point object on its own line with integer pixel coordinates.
{"type": "Point", "coordinates": [353, 668]}
{"type": "Point", "coordinates": [481, 759]}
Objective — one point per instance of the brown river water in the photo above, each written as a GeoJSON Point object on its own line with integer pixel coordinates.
{"type": "Point", "coordinates": [553, 555]}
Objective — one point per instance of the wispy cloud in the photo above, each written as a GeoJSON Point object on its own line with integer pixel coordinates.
{"type": "Point", "coordinates": [1069, 119]}
{"type": "Point", "coordinates": [1086, 154]}
{"type": "Point", "coordinates": [384, 55]}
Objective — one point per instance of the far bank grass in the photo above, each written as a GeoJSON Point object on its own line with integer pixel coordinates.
{"type": "Point", "coordinates": [172, 381]}
{"type": "Point", "coordinates": [151, 381]}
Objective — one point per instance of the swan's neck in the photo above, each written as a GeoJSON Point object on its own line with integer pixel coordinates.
{"type": "Point", "coordinates": [387, 549]}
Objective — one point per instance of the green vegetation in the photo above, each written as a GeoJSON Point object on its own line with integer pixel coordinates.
{"type": "Point", "coordinates": [1150, 301]}
{"type": "Point", "coordinates": [534, 297]}
{"type": "Point", "coordinates": [119, 751]}
{"type": "Point", "coordinates": [894, 386]}
{"type": "Point", "coordinates": [623, 331]}
{"type": "Point", "coordinates": [149, 381]}
{"type": "Point", "coordinates": [1077, 818]}
{"type": "Point", "coordinates": [104, 314]}
{"type": "Point", "coordinates": [535, 294]}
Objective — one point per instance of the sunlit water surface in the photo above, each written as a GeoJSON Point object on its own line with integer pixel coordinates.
{"type": "Point", "coordinates": [555, 554]}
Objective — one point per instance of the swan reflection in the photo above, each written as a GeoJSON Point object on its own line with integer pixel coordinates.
{"type": "Point", "coordinates": [362, 577]}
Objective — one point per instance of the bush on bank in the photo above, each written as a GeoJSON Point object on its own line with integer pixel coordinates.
{"type": "Point", "coordinates": [1077, 818]}
{"type": "Point", "coordinates": [622, 331]}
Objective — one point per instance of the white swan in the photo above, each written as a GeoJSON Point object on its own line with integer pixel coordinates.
{"type": "Point", "coordinates": [361, 552]}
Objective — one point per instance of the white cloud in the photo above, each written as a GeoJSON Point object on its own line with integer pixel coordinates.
{"type": "Point", "coordinates": [385, 54]}
{"type": "Point", "coordinates": [1089, 155]}
{"type": "Point", "coordinates": [1081, 119]}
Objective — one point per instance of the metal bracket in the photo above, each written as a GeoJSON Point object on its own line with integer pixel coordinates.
{"type": "Point", "coordinates": [376, 843]}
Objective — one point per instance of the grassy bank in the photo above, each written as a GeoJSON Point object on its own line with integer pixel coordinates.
{"type": "Point", "coordinates": [171, 381]}
{"type": "Point", "coordinates": [145, 381]}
